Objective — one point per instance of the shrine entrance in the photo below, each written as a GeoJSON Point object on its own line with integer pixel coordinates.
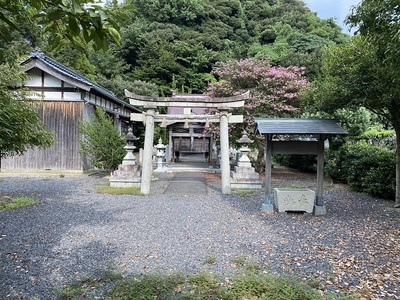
{"type": "Point", "coordinates": [188, 144]}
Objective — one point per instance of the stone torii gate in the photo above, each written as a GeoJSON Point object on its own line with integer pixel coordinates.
{"type": "Point", "coordinates": [149, 117]}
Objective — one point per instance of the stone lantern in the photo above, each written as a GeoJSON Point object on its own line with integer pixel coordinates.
{"type": "Point", "coordinates": [244, 160]}
{"type": "Point", "coordinates": [160, 154]}
{"type": "Point", "coordinates": [244, 175]}
{"type": "Point", "coordinates": [128, 173]}
{"type": "Point", "coordinates": [130, 158]}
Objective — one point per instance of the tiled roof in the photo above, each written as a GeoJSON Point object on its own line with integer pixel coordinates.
{"type": "Point", "coordinates": [60, 68]}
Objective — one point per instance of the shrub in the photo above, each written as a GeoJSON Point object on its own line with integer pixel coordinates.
{"type": "Point", "coordinates": [336, 164]}
{"type": "Point", "coordinates": [102, 142]}
{"type": "Point", "coordinates": [365, 167]}
{"type": "Point", "coordinates": [305, 163]}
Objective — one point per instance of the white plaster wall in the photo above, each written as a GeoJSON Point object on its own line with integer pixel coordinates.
{"type": "Point", "coordinates": [52, 95]}
{"type": "Point", "coordinates": [72, 96]}
{"type": "Point", "coordinates": [51, 81]}
{"type": "Point", "coordinates": [34, 78]}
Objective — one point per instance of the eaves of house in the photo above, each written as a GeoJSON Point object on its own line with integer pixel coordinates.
{"type": "Point", "coordinates": [38, 59]}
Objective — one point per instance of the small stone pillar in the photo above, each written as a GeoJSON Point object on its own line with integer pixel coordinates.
{"type": "Point", "coordinates": [244, 176]}
{"type": "Point", "coordinates": [160, 154]}
{"type": "Point", "coordinates": [129, 172]}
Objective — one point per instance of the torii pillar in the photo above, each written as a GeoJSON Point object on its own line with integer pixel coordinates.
{"type": "Point", "coordinates": [224, 143]}
{"type": "Point", "coordinates": [147, 164]}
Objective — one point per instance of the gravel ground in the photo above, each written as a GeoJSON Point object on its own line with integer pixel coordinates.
{"type": "Point", "coordinates": [75, 231]}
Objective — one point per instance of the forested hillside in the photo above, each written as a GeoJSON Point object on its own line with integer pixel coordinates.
{"type": "Point", "coordinates": [175, 44]}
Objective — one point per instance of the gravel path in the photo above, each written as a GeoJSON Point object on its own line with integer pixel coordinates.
{"type": "Point", "coordinates": [75, 231]}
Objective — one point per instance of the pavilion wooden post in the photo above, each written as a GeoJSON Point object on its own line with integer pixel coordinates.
{"type": "Point", "coordinates": [318, 128]}
{"type": "Point", "coordinates": [224, 141]}
{"type": "Point", "coordinates": [267, 206]}
{"type": "Point", "coordinates": [319, 207]}
{"type": "Point", "coordinates": [147, 165]}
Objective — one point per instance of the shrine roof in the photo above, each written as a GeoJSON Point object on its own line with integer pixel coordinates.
{"type": "Point", "coordinates": [299, 126]}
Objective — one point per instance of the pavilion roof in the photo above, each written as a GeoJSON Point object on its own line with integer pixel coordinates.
{"type": "Point", "coordinates": [299, 126]}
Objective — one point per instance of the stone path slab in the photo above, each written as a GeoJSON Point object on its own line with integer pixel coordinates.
{"type": "Point", "coordinates": [187, 183]}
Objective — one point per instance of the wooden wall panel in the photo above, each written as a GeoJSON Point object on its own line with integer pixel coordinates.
{"type": "Point", "coordinates": [62, 118]}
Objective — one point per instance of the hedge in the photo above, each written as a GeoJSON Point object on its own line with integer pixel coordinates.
{"type": "Point", "coordinates": [365, 167]}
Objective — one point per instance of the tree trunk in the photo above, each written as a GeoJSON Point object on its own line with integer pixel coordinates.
{"type": "Point", "coordinates": [397, 199]}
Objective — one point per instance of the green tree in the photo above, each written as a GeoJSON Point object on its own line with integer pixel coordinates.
{"type": "Point", "coordinates": [23, 23]}
{"type": "Point", "coordinates": [379, 22]}
{"type": "Point", "coordinates": [274, 90]}
{"type": "Point", "coordinates": [176, 11]}
{"type": "Point", "coordinates": [180, 41]}
{"type": "Point", "coordinates": [102, 144]}
{"type": "Point", "coordinates": [78, 21]}
{"type": "Point", "coordinates": [357, 75]}
{"type": "Point", "coordinates": [20, 125]}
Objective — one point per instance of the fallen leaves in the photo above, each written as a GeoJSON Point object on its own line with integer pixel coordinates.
{"type": "Point", "coordinates": [364, 260]}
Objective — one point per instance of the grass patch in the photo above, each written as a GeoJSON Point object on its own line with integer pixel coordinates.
{"type": "Point", "coordinates": [119, 191]}
{"type": "Point", "coordinates": [89, 287]}
{"type": "Point", "coordinates": [248, 264]}
{"type": "Point", "coordinates": [246, 192]}
{"type": "Point", "coordinates": [7, 203]}
{"type": "Point", "coordinates": [266, 286]}
{"type": "Point", "coordinates": [210, 260]}
{"type": "Point", "coordinates": [205, 285]}
{"type": "Point", "coordinates": [154, 286]}
{"type": "Point", "coordinates": [240, 261]}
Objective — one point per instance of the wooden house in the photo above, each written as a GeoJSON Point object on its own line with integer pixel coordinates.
{"type": "Point", "coordinates": [64, 98]}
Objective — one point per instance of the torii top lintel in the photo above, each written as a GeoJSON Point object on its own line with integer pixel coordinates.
{"type": "Point", "coordinates": [203, 101]}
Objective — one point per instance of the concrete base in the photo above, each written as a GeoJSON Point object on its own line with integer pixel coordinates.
{"type": "Point", "coordinates": [124, 183]}
{"type": "Point", "coordinates": [246, 185]}
{"type": "Point", "coordinates": [267, 208]}
{"type": "Point", "coordinates": [319, 210]}
{"type": "Point", "coordinates": [245, 178]}
{"type": "Point", "coordinates": [160, 170]}
{"type": "Point", "coordinates": [126, 176]}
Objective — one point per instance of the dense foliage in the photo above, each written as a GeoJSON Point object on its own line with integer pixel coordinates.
{"type": "Point", "coordinates": [102, 143]}
{"type": "Point", "coordinates": [20, 125]}
{"type": "Point", "coordinates": [274, 90]}
{"type": "Point", "coordinates": [379, 24]}
{"type": "Point", "coordinates": [25, 24]}
{"type": "Point", "coordinates": [274, 93]}
{"type": "Point", "coordinates": [175, 44]}
{"type": "Point", "coordinates": [78, 21]}
{"type": "Point", "coordinates": [365, 167]}
{"type": "Point", "coordinates": [181, 40]}
{"type": "Point", "coordinates": [362, 73]}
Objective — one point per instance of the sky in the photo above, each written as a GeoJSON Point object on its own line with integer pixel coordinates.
{"type": "Point", "coordinates": [338, 9]}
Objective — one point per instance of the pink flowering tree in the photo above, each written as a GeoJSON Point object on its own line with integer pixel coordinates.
{"type": "Point", "coordinates": [275, 92]}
